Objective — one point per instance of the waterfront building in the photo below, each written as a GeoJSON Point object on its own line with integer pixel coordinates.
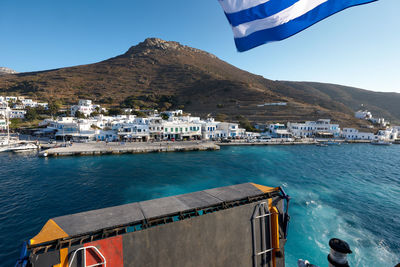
{"type": "Point", "coordinates": [389, 134]}
{"type": "Point", "coordinates": [156, 128]}
{"type": "Point", "coordinates": [209, 129]}
{"type": "Point", "coordinates": [279, 130]}
{"type": "Point", "coordinates": [321, 128]}
{"type": "Point", "coordinates": [354, 134]}
{"type": "Point", "coordinates": [109, 136]}
{"type": "Point", "coordinates": [135, 130]}
{"type": "Point", "coordinates": [181, 130]}
{"type": "Point", "coordinates": [229, 129]}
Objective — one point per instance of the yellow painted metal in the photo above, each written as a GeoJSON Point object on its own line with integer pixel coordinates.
{"type": "Point", "coordinates": [266, 189]}
{"type": "Point", "coordinates": [50, 231]}
{"type": "Point", "coordinates": [274, 233]}
{"type": "Point", "coordinates": [63, 258]}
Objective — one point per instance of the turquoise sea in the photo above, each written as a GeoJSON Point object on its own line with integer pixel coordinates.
{"type": "Point", "coordinates": [349, 191]}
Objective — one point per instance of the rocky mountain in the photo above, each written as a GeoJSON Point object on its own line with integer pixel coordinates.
{"type": "Point", "coordinates": [4, 70]}
{"type": "Point", "coordinates": [164, 75]}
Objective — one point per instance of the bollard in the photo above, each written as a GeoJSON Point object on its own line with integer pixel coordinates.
{"type": "Point", "coordinates": [338, 254]}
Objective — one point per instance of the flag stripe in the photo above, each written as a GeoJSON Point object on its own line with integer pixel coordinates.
{"type": "Point", "coordinates": [286, 30]}
{"type": "Point", "coordinates": [297, 10]}
{"type": "Point", "coordinates": [232, 6]}
{"type": "Point", "coordinates": [259, 12]}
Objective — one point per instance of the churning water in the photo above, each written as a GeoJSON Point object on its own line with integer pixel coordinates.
{"type": "Point", "coordinates": [350, 191]}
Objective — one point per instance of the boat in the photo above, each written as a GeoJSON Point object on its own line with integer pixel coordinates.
{"type": "Point", "coordinates": [381, 143]}
{"type": "Point", "coordinates": [322, 144]}
{"type": "Point", "coordinates": [248, 221]}
{"type": "Point", "coordinates": [8, 144]}
{"type": "Point", "coordinates": [333, 143]}
{"type": "Point", "coordinates": [19, 147]}
{"type": "Point", "coordinates": [23, 147]}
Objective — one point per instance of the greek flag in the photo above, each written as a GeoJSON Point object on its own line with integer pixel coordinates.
{"type": "Point", "coordinates": [256, 22]}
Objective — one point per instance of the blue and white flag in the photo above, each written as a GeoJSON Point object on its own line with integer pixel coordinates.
{"type": "Point", "coordinates": [256, 22]}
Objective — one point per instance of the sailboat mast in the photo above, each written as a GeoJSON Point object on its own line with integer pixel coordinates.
{"type": "Point", "coordinates": [8, 125]}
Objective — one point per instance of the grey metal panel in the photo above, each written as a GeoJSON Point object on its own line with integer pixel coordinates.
{"type": "Point", "coordinates": [162, 206]}
{"type": "Point", "coordinates": [198, 200]}
{"type": "Point", "coordinates": [95, 220]}
{"type": "Point", "coordinates": [91, 221]}
{"type": "Point", "coordinates": [222, 238]}
{"type": "Point", "coordinates": [234, 192]}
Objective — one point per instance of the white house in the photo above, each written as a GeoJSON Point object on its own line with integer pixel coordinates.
{"type": "Point", "coordinates": [136, 132]}
{"type": "Point", "coordinates": [85, 107]}
{"type": "Point", "coordinates": [354, 134]}
{"type": "Point", "coordinates": [363, 115]}
{"type": "Point", "coordinates": [29, 103]}
{"type": "Point", "coordinates": [3, 124]}
{"type": "Point", "coordinates": [17, 114]}
{"type": "Point", "coordinates": [389, 134]}
{"type": "Point", "coordinates": [173, 113]}
{"type": "Point", "coordinates": [11, 98]}
{"type": "Point", "coordinates": [279, 130]}
{"type": "Point", "coordinates": [109, 136]}
{"type": "Point", "coordinates": [209, 128]}
{"type": "Point", "coordinates": [228, 129]}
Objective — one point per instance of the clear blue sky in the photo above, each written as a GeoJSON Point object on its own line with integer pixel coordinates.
{"type": "Point", "coordinates": [358, 47]}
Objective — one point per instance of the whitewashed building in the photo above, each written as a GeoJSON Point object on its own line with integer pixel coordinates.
{"type": "Point", "coordinates": [354, 134]}
{"type": "Point", "coordinates": [3, 124]}
{"type": "Point", "coordinates": [363, 115]}
{"type": "Point", "coordinates": [85, 107]}
{"type": "Point", "coordinates": [229, 130]}
{"type": "Point", "coordinates": [11, 98]}
{"type": "Point", "coordinates": [279, 130]}
{"type": "Point", "coordinates": [321, 127]}
{"type": "Point", "coordinates": [17, 114]}
{"type": "Point", "coordinates": [209, 129]}
{"type": "Point", "coordinates": [181, 130]}
{"type": "Point", "coordinates": [389, 134]}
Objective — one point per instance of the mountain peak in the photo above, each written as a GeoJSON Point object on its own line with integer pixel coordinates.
{"type": "Point", "coordinates": [4, 70]}
{"type": "Point", "coordinates": [153, 43]}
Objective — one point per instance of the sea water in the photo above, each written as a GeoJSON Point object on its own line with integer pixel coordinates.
{"type": "Point", "coordinates": [350, 192]}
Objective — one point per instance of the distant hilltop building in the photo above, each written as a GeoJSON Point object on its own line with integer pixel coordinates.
{"type": "Point", "coordinates": [363, 114]}
{"type": "Point", "coordinates": [366, 115]}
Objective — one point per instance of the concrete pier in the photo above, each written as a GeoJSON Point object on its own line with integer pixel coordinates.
{"type": "Point", "coordinates": [268, 143]}
{"type": "Point", "coordinates": [102, 148]}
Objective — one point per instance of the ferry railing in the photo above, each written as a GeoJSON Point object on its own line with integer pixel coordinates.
{"type": "Point", "coordinates": [84, 257]}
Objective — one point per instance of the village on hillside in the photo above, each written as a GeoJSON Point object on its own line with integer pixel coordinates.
{"type": "Point", "coordinates": [87, 121]}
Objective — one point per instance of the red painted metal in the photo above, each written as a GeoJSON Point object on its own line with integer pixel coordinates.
{"type": "Point", "coordinates": [111, 248]}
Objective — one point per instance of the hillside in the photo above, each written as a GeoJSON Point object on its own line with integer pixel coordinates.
{"type": "Point", "coordinates": [164, 75]}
